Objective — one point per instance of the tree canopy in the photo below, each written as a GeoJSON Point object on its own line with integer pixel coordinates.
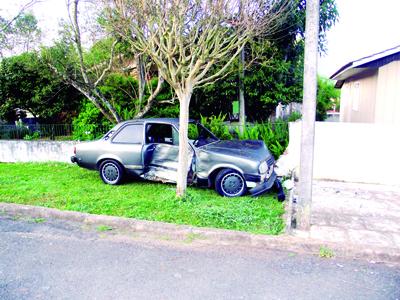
{"type": "Point", "coordinates": [20, 34]}
{"type": "Point", "coordinates": [27, 83]}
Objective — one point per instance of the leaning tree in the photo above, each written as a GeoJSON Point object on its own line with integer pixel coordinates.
{"type": "Point", "coordinates": [87, 71]}
{"type": "Point", "coordinates": [192, 42]}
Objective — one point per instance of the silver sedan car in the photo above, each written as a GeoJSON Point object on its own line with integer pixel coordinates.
{"type": "Point", "coordinates": [148, 148]}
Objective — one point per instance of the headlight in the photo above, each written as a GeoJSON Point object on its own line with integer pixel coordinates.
{"type": "Point", "coordinates": [263, 168]}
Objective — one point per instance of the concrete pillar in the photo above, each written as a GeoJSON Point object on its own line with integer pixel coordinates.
{"type": "Point", "coordinates": [309, 111]}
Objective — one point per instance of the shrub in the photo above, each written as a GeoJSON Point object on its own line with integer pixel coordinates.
{"type": "Point", "coordinates": [90, 124]}
{"type": "Point", "coordinates": [294, 116]}
{"type": "Point", "coordinates": [275, 135]}
{"type": "Point", "coordinates": [217, 126]}
{"type": "Point", "coordinates": [11, 132]}
{"type": "Point", "coordinates": [34, 136]}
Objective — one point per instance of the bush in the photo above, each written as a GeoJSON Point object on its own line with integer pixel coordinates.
{"type": "Point", "coordinates": [217, 126]}
{"type": "Point", "coordinates": [294, 116]}
{"type": "Point", "coordinates": [90, 124]}
{"type": "Point", "coordinates": [34, 136]}
{"type": "Point", "coordinates": [12, 132]}
{"type": "Point", "coordinates": [275, 135]}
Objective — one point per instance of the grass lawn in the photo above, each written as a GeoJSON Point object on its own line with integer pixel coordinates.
{"type": "Point", "coordinates": [68, 187]}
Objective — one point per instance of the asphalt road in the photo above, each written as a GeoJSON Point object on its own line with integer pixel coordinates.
{"type": "Point", "coordinates": [61, 260]}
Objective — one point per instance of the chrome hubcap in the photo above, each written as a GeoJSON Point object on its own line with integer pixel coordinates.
{"type": "Point", "coordinates": [110, 172]}
{"type": "Point", "coordinates": [232, 184]}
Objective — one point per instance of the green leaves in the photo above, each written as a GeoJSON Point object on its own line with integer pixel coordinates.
{"type": "Point", "coordinates": [26, 82]}
{"type": "Point", "coordinates": [327, 97]}
{"type": "Point", "coordinates": [21, 35]}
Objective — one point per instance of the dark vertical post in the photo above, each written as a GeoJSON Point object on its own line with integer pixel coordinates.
{"type": "Point", "coordinates": [242, 109]}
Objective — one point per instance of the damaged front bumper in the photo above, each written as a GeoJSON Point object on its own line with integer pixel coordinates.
{"type": "Point", "coordinates": [271, 182]}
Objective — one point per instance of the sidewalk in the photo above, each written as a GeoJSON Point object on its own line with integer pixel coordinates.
{"type": "Point", "coordinates": [363, 216]}
{"type": "Point", "coordinates": [353, 220]}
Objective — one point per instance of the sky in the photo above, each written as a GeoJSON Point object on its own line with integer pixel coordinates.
{"type": "Point", "coordinates": [365, 27]}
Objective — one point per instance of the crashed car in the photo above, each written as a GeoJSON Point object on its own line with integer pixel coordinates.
{"type": "Point", "coordinates": [148, 148]}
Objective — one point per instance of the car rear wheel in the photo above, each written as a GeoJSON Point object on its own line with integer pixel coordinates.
{"type": "Point", "coordinates": [230, 183]}
{"type": "Point", "coordinates": [111, 172]}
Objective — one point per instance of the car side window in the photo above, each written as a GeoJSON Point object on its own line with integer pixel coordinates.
{"type": "Point", "coordinates": [131, 134]}
{"type": "Point", "coordinates": [161, 134]}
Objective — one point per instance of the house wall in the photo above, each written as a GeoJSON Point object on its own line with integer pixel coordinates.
{"type": "Point", "coordinates": [358, 97]}
{"type": "Point", "coordinates": [352, 152]}
{"type": "Point", "coordinates": [36, 151]}
{"type": "Point", "coordinates": [388, 94]}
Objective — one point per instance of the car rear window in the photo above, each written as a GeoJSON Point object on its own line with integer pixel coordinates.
{"type": "Point", "coordinates": [130, 134]}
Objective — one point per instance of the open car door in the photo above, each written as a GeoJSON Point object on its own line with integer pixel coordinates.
{"type": "Point", "coordinates": [160, 153]}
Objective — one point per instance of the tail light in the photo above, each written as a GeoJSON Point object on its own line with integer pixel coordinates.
{"type": "Point", "coordinates": [74, 150]}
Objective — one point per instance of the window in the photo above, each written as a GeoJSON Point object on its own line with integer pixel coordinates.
{"type": "Point", "coordinates": [108, 135]}
{"type": "Point", "coordinates": [131, 134]}
{"type": "Point", "coordinates": [162, 134]}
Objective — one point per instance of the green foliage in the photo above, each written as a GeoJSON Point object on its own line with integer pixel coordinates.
{"type": "Point", "coordinates": [13, 132]}
{"type": "Point", "coordinates": [294, 116]}
{"type": "Point", "coordinates": [103, 228]}
{"type": "Point", "coordinates": [327, 97]}
{"type": "Point", "coordinates": [34, 136]}
{"type": "Point", "coordinates": [118, 88]}
{"type": "Point", "coordinates": [329, 15]}
{"type": "Point", "coordinates": [275, 135]}
{"type": "Point", "coordinates": [276, 74]}
{"type": "Point", "coordinates": [68, 187]}
{"type": "Point", "coordinates": [21, 35]}
{"type": "Point", "coordinates": [37, 220]}
{"type": "Point", "coordinates": [121, 91]}
{"type": "Point", "coordinates": [193, 132]}
{"type": "Point", "coordinates": [165, 110]}
{"type": "Point", "coordinates": [217, 126]}
{"type": "Point", "coordinates": [26, 82]}
{"type": "Point", "coordinates": [90, 124]}
{"type": "Point", "coordinates": [325, 252]}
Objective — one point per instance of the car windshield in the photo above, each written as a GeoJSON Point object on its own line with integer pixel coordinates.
{"type": "Point", "coordinates": [200, 135]}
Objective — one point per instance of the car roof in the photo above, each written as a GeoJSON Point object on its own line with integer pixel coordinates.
{"type": "Point", "coordinates": [173, 121]}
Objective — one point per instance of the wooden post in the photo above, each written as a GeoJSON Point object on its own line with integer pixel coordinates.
{"type": "Point", "coordinates": [309, 111]}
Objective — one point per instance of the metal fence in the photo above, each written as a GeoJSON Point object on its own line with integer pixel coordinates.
{"type": "Point", "coordinates": [61, 132]}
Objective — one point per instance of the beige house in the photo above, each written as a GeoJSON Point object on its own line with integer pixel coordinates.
{"type": "Point", "coordinates": [371, 89]}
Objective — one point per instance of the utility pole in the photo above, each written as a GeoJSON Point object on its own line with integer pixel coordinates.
{"type": "Point", "coordinates": [309, 110]}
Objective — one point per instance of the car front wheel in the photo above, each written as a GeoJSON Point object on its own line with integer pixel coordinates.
{"type": "Point", "coordinates": [230, 183]}
{"type": "Point", "coordinates": [111, 172]}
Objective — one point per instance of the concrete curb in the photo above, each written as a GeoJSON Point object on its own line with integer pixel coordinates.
{"type": "Point", "coordinates": [206, 235]}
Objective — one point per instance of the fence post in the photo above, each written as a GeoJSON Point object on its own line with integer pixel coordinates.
{"type": "Point", "coordinates": [52, 136]}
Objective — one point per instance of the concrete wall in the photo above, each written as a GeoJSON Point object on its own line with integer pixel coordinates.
{"type": "Point", "coordinates": [35, 151]}
{"type": "Point", "coordinates": [353, 152]}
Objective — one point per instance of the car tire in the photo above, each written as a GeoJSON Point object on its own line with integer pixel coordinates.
{"type": "Point", "coordinates": [230, 183]}
{"type": "Point", "coordinates": [111, 172]}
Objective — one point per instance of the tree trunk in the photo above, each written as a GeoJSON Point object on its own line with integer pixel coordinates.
{"type": "Point", "coordinates": [242, 112]}
{"type": "Point", "coordinates": [181, 183]}
{"type": "Point", "coordinates": [141, 78]}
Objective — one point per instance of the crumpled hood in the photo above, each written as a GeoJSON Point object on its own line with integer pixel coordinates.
{"type": "Point", "coordinates": [255, 150]}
